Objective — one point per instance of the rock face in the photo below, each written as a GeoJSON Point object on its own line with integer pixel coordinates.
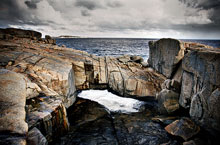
{"type": "Point", "coordinates": [165, 54]}
{"type": "Point", "coordinates": [198, 72]}
{"type": "Point", "coordinates": [13, 127]}
{"type": "Point", "coordinates": [48, 115]}
{"type": "Point", "coordinates": [200, 86]}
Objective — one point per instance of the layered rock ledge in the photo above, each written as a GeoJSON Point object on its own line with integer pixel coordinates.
{"type": "Point", "coordinates": [52, 75]}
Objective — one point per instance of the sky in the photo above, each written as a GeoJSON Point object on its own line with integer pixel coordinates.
{"type": "Point", "coordinates": [198, 19]}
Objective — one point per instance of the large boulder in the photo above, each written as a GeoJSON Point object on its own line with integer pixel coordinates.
{"type": "Point", "coordinates": [13, 127]}
{"type": "Point", "coordinates": [130, 79]}
{"type": "Point", "coordinates": [165, 54]}
{"type": "Point", "coordinates": [168, 101]}
{"type": "Point", "coordinates": [55, 77]}
{"type": "Point", "coordinates": [184, 128]}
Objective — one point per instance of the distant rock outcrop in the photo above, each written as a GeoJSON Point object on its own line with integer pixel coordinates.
{"type": "Point", "coordinates": [12, 32]}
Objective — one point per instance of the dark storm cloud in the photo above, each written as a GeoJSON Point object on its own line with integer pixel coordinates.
{"type": "Point", "coordinates": [19, 12]}
{"type": "Point", "coordinates": [213, 5]}
{"type": "Point", "coordinates": [32, 4]}
{"type": "Point", "coordinates": [89, 4]}
{"type": "Point", "coordinates": [10, 12]}
{"type": "Point", "coordinates": [105, 17]}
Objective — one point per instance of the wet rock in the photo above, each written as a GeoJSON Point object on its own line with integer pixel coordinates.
{"type": "Point", "coordinates": [166, 120]}
{"type": "Point", "coordinates": [138, 129]}
{"type": "Point", "coordinates": [91, 124]}
{"type": "Point", "coordinates": [168, 101]}
{"type": "Point", "coordinates": [184, 128]}
{"type": "Point", "coordinates": [47, 114]}
{"type": "Point", "coordinates": [12, 106]}
{"type": "Point", "coordinates": [165, 54]}
{"type": "Point", "coordinates": [95, 132]}
{"type": "Point", "coordinates": [196, 141]}
{"type": "Point", "coordinates": [84, 111]}
{"type": "Point", "coordinates": [35, 137]}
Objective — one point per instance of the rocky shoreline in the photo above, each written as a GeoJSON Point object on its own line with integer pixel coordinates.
{"type": "Point", "coordinates": [40, 80]}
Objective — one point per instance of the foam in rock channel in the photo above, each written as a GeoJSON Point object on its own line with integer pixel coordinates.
{"type": "Point", "coordinates": [112, 102]}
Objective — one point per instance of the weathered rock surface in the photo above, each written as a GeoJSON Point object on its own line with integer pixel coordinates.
{"type": "Point", "coordinates": [199, 92]}
{"type": "Point", "coordinates": [165, 54]}
{"type": "Point", "coordinates": [184, 128]}
{"type": "Point", "coordinates": [197, 68]}
{"type": "Point", "coordinates": [47, 114]}
{"type": "Point", "coordinates": [13, 127]}
{"type": "Point", "coordinates": [52, 69]}
{"type": "Point", "coordinates": [44, 73]}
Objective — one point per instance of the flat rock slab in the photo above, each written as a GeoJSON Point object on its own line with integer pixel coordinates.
{"type": "Point", "coordinates": [184, 128]}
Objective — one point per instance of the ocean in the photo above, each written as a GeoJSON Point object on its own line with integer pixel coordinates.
{"type": "Point", "coordinates": [118, 46]}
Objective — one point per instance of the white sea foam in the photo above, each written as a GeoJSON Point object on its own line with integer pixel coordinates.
{"type": "Point", "coordinates": [112, 102]}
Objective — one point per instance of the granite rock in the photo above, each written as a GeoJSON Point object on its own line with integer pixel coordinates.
{"type": "Point", "coordinates": [184, 128]}
{"type": "Point", "coordinates": [165, 54]}
{"type": "Point", "coordinates": [12, 106]}
{"type": "Point", "coordinates": [200, 83]}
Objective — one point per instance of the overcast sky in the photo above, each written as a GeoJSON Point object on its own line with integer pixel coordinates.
{"type": "Point", "coordinates": [115, 18]}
